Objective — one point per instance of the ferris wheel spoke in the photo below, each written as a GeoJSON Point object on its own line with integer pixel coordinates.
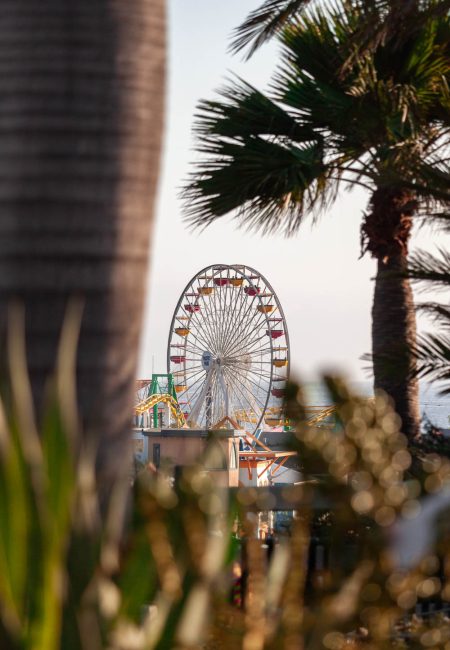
{"type": "Point", "coordinates": [237, 397]}
{"type": "Point", "coordinates": [254, 352]}
{"type": "Point", "coordinates": [217, 317]}
{"type": "Point", "coordinates": [196, 393]}
{"type": "Point", "coordinates": [228, 312]}
{"type": "Point", "coordinates": [262, 382]}
{"type": "Point", "coordinates": [262, 319]}
{"type": "Point", "coordinates": [202, 329]}
{"type": "Point", "coordinates": [208, 323]}
{"type": "Point", "coordinates": [210, 316]}
{"type": "Point", "coordinates": [245, 328]}
{"type": "Point", "coordinates": [196, 330]}
{"type": "Point", "coordinates": [243, 372]}
{"type": "Point", "coordinates": [216, 310]}
{"type": "Point", "coordinates": [243, 380]}
{"type": "Point", "coordinates": [253, 302]}
{"type": "Point", "coordinates": [256, 368]}
{"type": "Point", "coordinates": [199, 341]}
{"type": "Point", "coordinates": [249, 346]}
{"type": "Point", "coordinates": [203, 324]}
{"type": "Point", "coordinates": [244, 333]}
{"type": "Point", "coordinates": [190, 346]}
{"type": "Point", "coordinates": [250, 358]}
{"type": "Point", "coordinates": [233, 333]}
{"type": "Point", "coordinates": [191, 368]}
{"type": "Point", "coordinates": [189, 375]}
{"type": "Point", "coordinates": [220, 295]}
{"type": "Point", "coordinates": [244, 317]}
{"type": "Point", "coordinates": [192, 391]}
{"type": "Point", "coordinates": [231, 310]}
{"type": "Point", "coordinates": [248, 343]}
{"type": "Point", "coordinates": [218, 404]}
{"type": "Point", "coordinates": [198, 401]}
{"type": "Point", "coordinates": [214, 402]}
{"type": "Point", "coordinates": [237, 315]}
{"type": "Point", "coordinates": [260, 378]}
{"type": "Point", "coordinates": [203, 343]}
{"type": "Point", "coordinates": [194, 349]}
{"type": "Point", "coordinates": [248, 404]}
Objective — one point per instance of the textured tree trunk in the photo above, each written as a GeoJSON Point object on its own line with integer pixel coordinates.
{"type": "Point", "coordinates": [393, 339]}
{"type": "Point", "coordinates": [386, 233]}
{"type": "Point", "coordinates": [81, 108]}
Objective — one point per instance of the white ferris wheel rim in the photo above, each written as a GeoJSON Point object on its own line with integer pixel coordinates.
{"type": "Point", "coordinates": [224, 364]}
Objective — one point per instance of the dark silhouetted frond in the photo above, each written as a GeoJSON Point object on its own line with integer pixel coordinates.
{"type": "Point", "coordinates": [433, 354]}
{"type": "Point", "coordinates": [427, 267]}
{"type": "Point", "coordinates": [381, 22]}
{"type": "Point", "coordinates": [437, 311]}
{"type": "Point", "coordinates": [263, 23]}
{"type": "Point", "coordinates": [433, 349]}
{"type": "Point", "coordinates": [259, 160]}
{"type": "Point", "coordinates": [245, 112]}
{"type": "Point", "coordinates": [269, 184]}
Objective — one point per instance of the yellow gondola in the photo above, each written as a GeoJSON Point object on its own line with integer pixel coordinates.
{"type": "Point", "coordinates": [182, 331]}
{"type": "Point", "coordinates": [280, 363]}
{"type": "Point", "coordinates": [236, 282]}
{"type": "Point", "coordinates": [265, 309]}
{"type": "Point", "coordinates": [180, 388]}
{"type": "Point", "coordinates": [205, 291]}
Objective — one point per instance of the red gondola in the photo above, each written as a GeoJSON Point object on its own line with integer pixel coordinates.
{"type": "Point", "coordinates": [178, 359]}
{"type": "Point", "coordinates": [252, 291]}
{"type": "Point", "coordinates": [192, 308]}
{"type": "Point", "coordinates": [220, 282]}
{"type": "Point", "coordinates": [275, 334]}
{"type": "Point", "coordinates": [278, 392]}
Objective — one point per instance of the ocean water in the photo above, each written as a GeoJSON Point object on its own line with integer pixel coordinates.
{"type": "Point", "coordinates": [435, 406]}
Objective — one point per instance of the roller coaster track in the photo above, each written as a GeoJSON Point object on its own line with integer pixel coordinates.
{"type": "Point", "coordinates": [313, 415]}
{"type": "Point", "coordinates": [164, 398]}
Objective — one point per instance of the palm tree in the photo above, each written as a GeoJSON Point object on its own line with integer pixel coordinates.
{"type": "Point", "coordinates": [336, 117]}
{"type": "Point", "coordinates": [81, 106]}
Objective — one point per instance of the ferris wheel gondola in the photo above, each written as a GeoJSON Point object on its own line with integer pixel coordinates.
{"type": "Point", "coordinates": [228, 347]}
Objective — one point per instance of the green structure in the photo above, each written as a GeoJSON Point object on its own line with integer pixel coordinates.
{"type": "Point", "coordinates": [160, 384]}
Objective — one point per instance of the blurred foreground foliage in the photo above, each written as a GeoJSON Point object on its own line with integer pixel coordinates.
{"type": "Point", "coordinates": [157, 571]}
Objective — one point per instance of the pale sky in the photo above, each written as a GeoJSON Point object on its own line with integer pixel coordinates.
{"type": "Point", "coordinates": [325, 290]}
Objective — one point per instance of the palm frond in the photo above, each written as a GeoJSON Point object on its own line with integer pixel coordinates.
{"type": "Point", "coordinates": [433, 350]}
{"type": "Point", "coordinates": [258, 159]}
{"type": "Point", "coordinates": [437, 311]}
{"type": "Point", "coordinates": [392, 22]}
{"type": "Point", "coordinates": [433, 354]}
{"type": "Point", "coordinates": [263, 23]}
{"type": "Point", "coordinates": [427, 267]}
{"type": "Point", "coordinates": [429, 179]}
{"type": "Point", "coordinates": [270, 185]}
{"type": "Point", "coordinates": [245, 112]}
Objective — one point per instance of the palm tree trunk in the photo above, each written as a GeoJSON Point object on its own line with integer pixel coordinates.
{"type": "Point", "coordinates": [81, 110]}
{"type": "Point", "coordinates": [385, 233]}
{"type": "Point", "coordinates": [393, 339]}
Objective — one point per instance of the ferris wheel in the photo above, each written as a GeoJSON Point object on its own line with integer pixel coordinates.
{"type": "Point", "coordinates": [228, 349]}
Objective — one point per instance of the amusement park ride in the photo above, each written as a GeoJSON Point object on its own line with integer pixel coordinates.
{"type": "Point", "coordinates": [228, 363]}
